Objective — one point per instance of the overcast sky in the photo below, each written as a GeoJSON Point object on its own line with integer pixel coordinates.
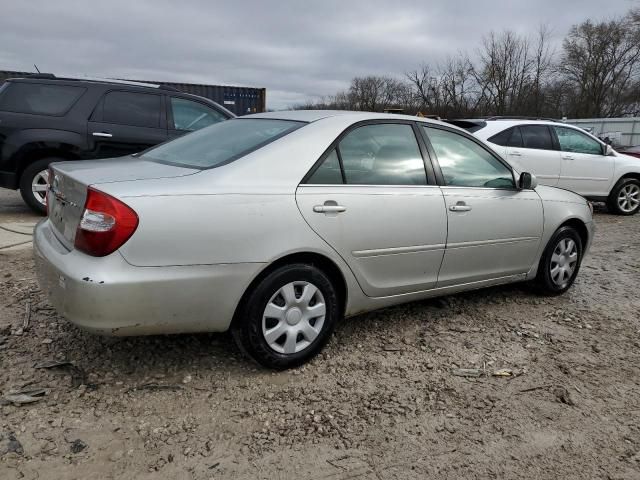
{"type": "Point", "coordinates": [298, 49]}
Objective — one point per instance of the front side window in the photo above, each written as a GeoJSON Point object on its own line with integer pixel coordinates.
{"type": "Point", "coordinates": [464, 163]}
{"type": "Point", "coordinates": [189, 115]}
{"type": "Point", "coordinates": [221, 143]}
{"type": "Point", "coordinates": [382, 154]}
{"type": "Point", "coordinates": [38, 99]}
{"type": "Point", "coordinates": [135, 109]}
{"type": "Point", "coordinates": [577, 142]}
{"type": "Point", "coordinates": [536, 136]}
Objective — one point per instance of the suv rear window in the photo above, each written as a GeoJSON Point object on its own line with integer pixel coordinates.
{"type": "Point", "coordinates": [39, 98]}
{"type": "Point", "coordinates": [536, 136]}
{"type": "Point", "coordinates": [221, 143]}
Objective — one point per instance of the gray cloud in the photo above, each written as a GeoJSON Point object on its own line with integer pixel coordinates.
{"type": "Point", "coordinates": [298, 50]}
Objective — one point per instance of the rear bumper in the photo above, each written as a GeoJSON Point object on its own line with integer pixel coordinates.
{"type": "Point", "coordinates": [109, 296]}
{"type": "Point", "coordinates": [8, 180]}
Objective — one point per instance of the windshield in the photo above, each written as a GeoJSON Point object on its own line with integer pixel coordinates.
{"type": "Point", "coordinates": [221, 143]}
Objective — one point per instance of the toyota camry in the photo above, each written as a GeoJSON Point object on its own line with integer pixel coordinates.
{"type": "Point", "coordinates": [278, 225]}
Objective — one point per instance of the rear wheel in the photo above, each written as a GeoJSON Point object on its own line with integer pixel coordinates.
{"type": "Point", "coordinates": [624, 198]}
{"type": "Point", "coordinates": [34, 183]}
{"type": "Point", "coordinates": [560, 262]}
{"type": "Point", "coordinates": [288, 317]}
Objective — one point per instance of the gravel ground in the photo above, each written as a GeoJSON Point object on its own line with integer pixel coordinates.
{"type": "Point", "coordinates": [499, 383]}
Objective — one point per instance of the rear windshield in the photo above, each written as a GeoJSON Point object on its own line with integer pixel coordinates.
{"type": "Point", "coordinates": [38, 99]}
{"type": "Point", "coordinates": [221, 143]}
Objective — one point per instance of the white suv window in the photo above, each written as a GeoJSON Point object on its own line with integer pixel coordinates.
{"type": "Point", "coordinates": [464, 163]}
{"type": "Point", "coordinates": [577, 142]}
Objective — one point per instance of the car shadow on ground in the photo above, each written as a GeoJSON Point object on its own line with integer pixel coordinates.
{"type": "Point", "coordinates": [173, 357]}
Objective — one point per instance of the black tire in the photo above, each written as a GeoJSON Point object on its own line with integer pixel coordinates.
{"type": "Point", "coordinates": [26, 180]}
{"type": "Point", "coordinates": [544, 279]}
{"type": "Point", "coordinates": [612, 202]}
{"type": "Point", "coordinates": [247, 329]}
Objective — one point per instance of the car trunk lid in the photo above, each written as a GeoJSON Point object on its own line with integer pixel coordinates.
{"type": "Point", "coordinates": [69, 182]}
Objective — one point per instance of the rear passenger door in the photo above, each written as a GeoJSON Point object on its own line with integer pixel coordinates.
{"type": "Point", "coordinates": [530, 148]}
{"type": "Point", "coordinates": [126, 122]}
{"type": "Point", "coordinates": [371, 200]}
{"type": "Point", "coordinates": [186, 116]}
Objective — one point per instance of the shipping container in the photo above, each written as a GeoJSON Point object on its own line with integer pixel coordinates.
{"type": "Point", "coordinates": [240, 100]}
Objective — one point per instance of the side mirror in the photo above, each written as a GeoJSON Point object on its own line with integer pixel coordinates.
{"type": "Point", "coordinates": [609, 151]}
{"type": "Point", "coordinates": [527, 181]}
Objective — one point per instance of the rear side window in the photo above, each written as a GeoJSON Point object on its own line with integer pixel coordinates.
{"type": "Point", "coordinates": [329, 172]}
{"type": "Point", "coordinates": [382, 154]}
{"type": "Point", "coordinates": [136, 109]}
{"type": "Point", "coordinates": [221, 143]}
{"type": "Point", "coordinates": [536, 136]}
{"type": "Point", "coordinates": [39, 99]}
{"type": "Point", "coordinates": [511, 137]}
{"type": "Point", "coordinates": [378, 154]}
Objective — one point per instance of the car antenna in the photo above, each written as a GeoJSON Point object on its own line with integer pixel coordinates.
{"type": "Point", "coordinates": [36, 67]}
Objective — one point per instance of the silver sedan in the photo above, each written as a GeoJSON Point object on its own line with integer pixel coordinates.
{"type": "Point", "coordinates": [278, 225]}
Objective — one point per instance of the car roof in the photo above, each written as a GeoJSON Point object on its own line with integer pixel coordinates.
{"type": "Point", "coordinates": [315, 115]}
{"type": "Point", "coordinates": [493, 126]}
{"type": "Point", "coordinates": [122, 84]}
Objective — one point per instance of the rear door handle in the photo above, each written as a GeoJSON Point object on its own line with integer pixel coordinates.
{"type": "Point", "coordinates": [329, 209]}
{"type": "Point", "coordinates": [102, 134]}
{"type": "Point", "coordinates": [460, 207]}
{"type": "Point", "coordinates": [515, 154]}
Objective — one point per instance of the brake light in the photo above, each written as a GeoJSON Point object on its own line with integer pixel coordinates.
{"type": "Point", "coordinates": [107, 223]}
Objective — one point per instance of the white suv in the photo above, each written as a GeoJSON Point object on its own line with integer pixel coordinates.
{"type": "Point", "coordinates": [564, 156]}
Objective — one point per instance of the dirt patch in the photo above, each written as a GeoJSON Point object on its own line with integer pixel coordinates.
{"type": "Point", "coordinates": [499, 383]}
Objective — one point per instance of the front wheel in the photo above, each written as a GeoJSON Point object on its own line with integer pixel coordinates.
{"type": "Point", "coordinates": [560, 262]}
{"type": "Point", "coordinates": [624, 198]}
{"type": "Point", "coordinates": [34, 182]}
{"type": "Point", "coordinates": [288, 317]}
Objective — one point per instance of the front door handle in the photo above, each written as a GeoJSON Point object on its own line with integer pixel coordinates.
{"type": "Point", "coordinates": [460, 207]}
{"type": "Point", "coordinates": [102, 134]}
{"type": "Point", "coordinates": [568, 157]}
{"type": "Point", "coordinates": [329, 209]}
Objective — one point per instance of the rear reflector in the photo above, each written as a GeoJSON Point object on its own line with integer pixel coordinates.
{"type": "Point", "coordinates": [107, 223]}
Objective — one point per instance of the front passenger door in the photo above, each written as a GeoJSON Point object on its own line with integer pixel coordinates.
{"type": "Point", "coordinates": [494, 228]}
{"type": "Point", "coordinates": [585, 168]}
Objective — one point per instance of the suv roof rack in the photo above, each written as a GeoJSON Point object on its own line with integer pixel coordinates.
{"type": "Point", "coordinates": [51, 76]}
{"type": "Point", "coordinates": [519, 117]}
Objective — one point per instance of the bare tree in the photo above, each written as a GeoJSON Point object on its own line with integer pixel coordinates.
{"type": "Point", "coordinates": [601, 64]}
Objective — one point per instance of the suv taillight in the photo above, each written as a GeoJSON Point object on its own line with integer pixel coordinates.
{"type": "Point", "coordinates": [106, 224]}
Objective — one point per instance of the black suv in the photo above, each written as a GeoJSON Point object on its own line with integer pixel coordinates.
{"type": "Point", "coordinates": [44, 119]}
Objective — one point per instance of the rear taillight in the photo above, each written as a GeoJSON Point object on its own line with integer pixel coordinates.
{"type": "Point", "coordinates": [107, 223]}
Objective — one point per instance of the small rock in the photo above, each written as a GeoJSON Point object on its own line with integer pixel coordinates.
{"type": "Point", "coordinates": [47, 341]}
{"type": "Point", "coordinates": [10, 444]}
{"type": "Point", "coordinates": [77, 446]}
